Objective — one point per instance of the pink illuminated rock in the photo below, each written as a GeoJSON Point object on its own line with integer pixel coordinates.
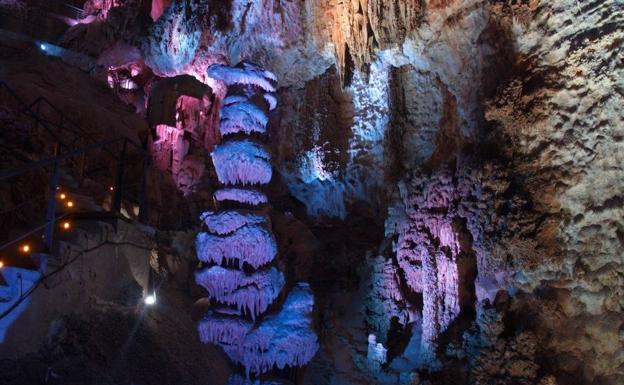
{"type": "Point", "coordinates": [252, 244]}
{"type": "Point", "coordinates": [158, 7]}
{"type": "Point", "coordinates": [428, 252]}
{"type": "Point", "coordinates": [242, 162]}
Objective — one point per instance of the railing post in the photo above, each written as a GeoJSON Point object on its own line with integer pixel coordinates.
{"type": "Point", "coordinates": [119, 183]}
{"type": "Point", "coordinates": [143, 190]}
{"type": "Point", "coordinates": [81, 171]}
{"type": "Point", "coordinates": [51, 212]}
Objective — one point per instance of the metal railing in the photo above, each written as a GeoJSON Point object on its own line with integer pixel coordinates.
{"type": "Point", "coordinates": [72, 147]}
{"type": "Point", "coordinates": [63, 132]}
{"type": "Point", "coordinates": [54, 163]}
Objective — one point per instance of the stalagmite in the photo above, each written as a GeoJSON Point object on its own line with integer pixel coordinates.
{"type": "Point", "coordinates": [284, 339]}
{"type": "Point", "coordinates": [242, 238]}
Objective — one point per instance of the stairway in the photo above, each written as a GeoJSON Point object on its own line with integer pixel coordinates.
{"type": "Point", "coordinates": [61, 174]}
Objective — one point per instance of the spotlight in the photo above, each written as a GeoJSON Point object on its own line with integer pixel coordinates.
{"type": "Point", "coordinates": [65, 225]}
{"type": "Point", "coordinates": [42, 46]}
{"type": "Point", "coordinates": [62, 196]}
{"type": "Point", "coordinates": [150, 299]}
{"type": "Point", "coordinates": [25, 248]}
{"type": "Point", "coordinates": [70, 204]}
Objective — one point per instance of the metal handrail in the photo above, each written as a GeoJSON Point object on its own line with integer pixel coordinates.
{"type": "Point", "coordinates": [62, 117]}
{"type": "Point", "coordinates": [55, 162]}
{"type": "Point", "coordinates": [4, 174]}
{"type": "Point", "coordinates": [78, 133]}
{"type": "Point", "coordinates": [58, 157]}
{"type": "Point", "coordinates": [25, 109]}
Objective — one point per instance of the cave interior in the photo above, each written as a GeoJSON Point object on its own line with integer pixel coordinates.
{"type": "Point", "coordinates": [311, 192]}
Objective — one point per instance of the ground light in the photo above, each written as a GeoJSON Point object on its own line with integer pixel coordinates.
{"type": "Point", "coordinates": [150, 299]}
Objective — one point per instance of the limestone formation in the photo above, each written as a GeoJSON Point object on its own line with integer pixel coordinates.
{"type": "Point", "coordinates": [243, 239]}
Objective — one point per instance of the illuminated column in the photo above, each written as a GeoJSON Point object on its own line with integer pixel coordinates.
{"type": "Point", "coordinates": [238, 249]}
{"type": "Point", "coordinates": [428, 255]}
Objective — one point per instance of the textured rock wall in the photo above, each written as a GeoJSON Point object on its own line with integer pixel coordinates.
{"type": "Point", "coordinates": [358, 28]}
{"type": "Point", "coordinates": [501, 116]}
{"type": "Point", "coordinates": [561, 114]}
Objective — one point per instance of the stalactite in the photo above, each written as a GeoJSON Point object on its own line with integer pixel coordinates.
{"type": "Point", "coordinates": [427, 254]}
{"type": "Point", "coordinates": [249, 293]}
{"type": "Point", "coordinates": [243, 237]}
{"type": "Point", "coordinates": [239, 114]}
{"type": "Point", "coordinates": [244, 74]}
{"type": "Point", "coordinates": [241, 195]}
{"type": "Point", "coordinates": [218, 329]}
{"type": "Point", "coordinates": [251, 244]}
{"type": "Point", "coordinates": [242, 162]}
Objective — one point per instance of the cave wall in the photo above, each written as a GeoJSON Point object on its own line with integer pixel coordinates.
{"type": "Point", "coordinates": [479, 142]}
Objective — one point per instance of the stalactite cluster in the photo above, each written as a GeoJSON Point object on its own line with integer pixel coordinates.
{"type": "Point", "coordinates": [238, 249]}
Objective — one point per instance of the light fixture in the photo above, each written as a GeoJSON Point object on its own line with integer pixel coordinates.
{"type": "Point", "coordinates": [66, 225]}
{"type": "Point", "coordinates": [42, 46]}
{"type": "Point", "coordinates": [111, 188]}
{"type": "Point", "coordinates": [70, 204]}
{"type": "Point", "coordinates": [25, 248]}
{"type": "Point", "coordinates": [1, 264]}
{"type": "Point", "coordinates": [62, 196]}
{"type": "Point", "coordinates": [150, 299]}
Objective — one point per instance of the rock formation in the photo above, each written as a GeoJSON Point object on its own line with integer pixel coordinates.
{"type": "Point", "coordinates": [239, 249]}
{"type": "Point", "coordinates": [457, 162]}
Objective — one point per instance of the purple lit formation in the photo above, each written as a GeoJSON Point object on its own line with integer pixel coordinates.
{"type": "Point", "coordinates": [238, 250]}
{"type": "Point", "coordinates": [430, 256]}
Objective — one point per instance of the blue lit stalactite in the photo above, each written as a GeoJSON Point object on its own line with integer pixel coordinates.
{"type": "Point", "coordinates": [238, 249]}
